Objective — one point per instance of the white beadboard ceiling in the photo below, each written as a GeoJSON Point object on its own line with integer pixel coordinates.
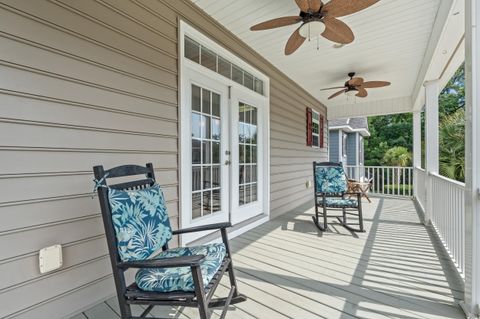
{"type": "Point", "coordinates": [391, 40]}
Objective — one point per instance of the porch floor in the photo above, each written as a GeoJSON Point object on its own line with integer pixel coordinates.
{"type": "Point", "coordinates": [288, 269]}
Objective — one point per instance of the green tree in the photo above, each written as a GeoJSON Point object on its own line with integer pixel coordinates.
{"type": "Point", "coordinates": [397, 156]}
{"type": "Point", "coordinates": [387, 132]}
{"type": "Point", "coordinates": [396, 130]}
{"type": "Point", "coordinates": [452, 127]}
{"type": "Point", "coordinates": [452, 145]}
{"type": "Point", "coordinates": [452, 97]}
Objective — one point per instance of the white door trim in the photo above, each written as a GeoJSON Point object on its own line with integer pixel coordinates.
{"type": "Point", "coordinates": [184, 66]}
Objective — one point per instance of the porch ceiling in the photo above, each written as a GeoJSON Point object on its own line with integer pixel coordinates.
{"type": "Point", "coordinates": [395, 41]}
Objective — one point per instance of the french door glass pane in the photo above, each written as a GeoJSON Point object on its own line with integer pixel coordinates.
{"type": "Point", "coordinates": [247, 138]}
{"type": "Point", "coordinates": [205, 148]}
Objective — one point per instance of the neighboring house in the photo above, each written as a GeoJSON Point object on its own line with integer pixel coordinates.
{"type": "Point", "coordinates": [346, 140]}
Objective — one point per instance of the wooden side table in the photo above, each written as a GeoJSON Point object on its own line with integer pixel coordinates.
{"type": "Point", "coordinates": [359, 187]}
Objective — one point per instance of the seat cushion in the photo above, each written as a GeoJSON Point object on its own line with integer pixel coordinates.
{"type": "Point", "coordinates": [140, 221]}
{"type": "Point", "coordinates": [339, 202]}
{"type": "Point", "coordinates": [180, 278]}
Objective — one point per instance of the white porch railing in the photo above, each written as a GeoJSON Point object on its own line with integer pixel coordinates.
{"type": "Point", "coordinates": [386, 180]}
{"type": "Point", "coordinates": [448, 216]}
{"type": "Point", "coordinates": [448, 204]}
{"type": "Point", "coordinates": [420, 191]}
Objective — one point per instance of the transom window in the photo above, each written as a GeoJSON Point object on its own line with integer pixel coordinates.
{"type": "Point", "coordinates": [198, 53]}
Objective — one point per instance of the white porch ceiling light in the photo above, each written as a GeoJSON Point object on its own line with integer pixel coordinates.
{"type": "Point", "coordinates": [312, 29]}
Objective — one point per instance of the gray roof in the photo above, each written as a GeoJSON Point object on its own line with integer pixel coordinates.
{"type": "Point", "coordinates": [353, 122]}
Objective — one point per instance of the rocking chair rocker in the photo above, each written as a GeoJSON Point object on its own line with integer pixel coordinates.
{"type": "Point", "coordinates": [137, 227]}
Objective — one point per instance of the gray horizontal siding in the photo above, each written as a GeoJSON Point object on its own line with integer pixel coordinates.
{"type": "Point", "coordinates": [95, 82]}
{"type": "Point", "coordinates": [82, 84]}
{"type": "Point", "coordinates": [352, 149]}
{"type": "Point", "coordinates": [333, 146]}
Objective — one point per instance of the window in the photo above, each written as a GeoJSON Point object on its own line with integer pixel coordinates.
{"type": "Point", "coordinates": [344, 145]}
{"type": "Point", "coordinates": [315, 129]}
{"type": "Point", "coordinates": [360, 160]}
{"type": "Point", "coordinates": [196, 52]}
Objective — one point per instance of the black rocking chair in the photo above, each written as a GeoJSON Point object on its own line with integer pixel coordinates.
{"type": "Point", "coordinates": [186, 276]}
{"type": "Point", "coordinates": [331, 191]}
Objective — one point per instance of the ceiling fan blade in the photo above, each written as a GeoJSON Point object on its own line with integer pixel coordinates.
{"type": "Point", "coordinates": [332, 88]}
{"type": "Point", "coordinates": [355, 81]}
{"type": "Point", "coordinates": [336, 94]}
{"type": "Point", "coordinates": [294, 42]}
{"type": "Point", "coordinates": [375, 84]}
{"type": "Point", "coordinates": [340, 8]}
{"type": "Point", "coordinates": [362, 92]}
{"type": "Point", "coordinates": [337, 31]}
{"type": "Point", "coordinates": [309, 5]}
{"type": "Point", "coordinates": [276, 23]}
{"type": "Point", "coordinates": [304, 5]}
{"type": "Point", "coordinates": [315, 5]}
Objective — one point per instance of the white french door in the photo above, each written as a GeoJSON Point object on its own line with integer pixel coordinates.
{"type": "Point", "coordinates": [222, 153]}
{"type": "Point", "coordinates": [205, 145]}
{"type": "Point", "coordinates": [247, 132]}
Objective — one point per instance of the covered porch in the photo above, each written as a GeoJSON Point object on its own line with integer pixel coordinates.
{"type": "Point", "coordinates": [288, 269]}
{"type": "Point", "coordinates": [105, 82]}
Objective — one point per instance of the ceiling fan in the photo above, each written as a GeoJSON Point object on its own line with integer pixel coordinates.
{"type": "Point", "coordinates": [318, 19]}
{"type": "Point", "coordinates": [356, 86]}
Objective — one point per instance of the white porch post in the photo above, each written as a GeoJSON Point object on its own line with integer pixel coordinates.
{"type": "Point", "coordinates": [417, 150]}
{"type": "Point", "coordinates": [431, 142]}
{"type": "Point", "coordinates": [472, 158]}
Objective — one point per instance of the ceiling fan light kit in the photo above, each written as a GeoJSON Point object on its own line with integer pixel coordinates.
{"type": "Point", "coordinates": [318, 19]}
{"type": "Point", "coordinates": [312, 29]}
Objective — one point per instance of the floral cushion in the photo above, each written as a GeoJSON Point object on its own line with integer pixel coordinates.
{"type": "Point", "coordinates": [339, 202]}
{"type": "Point", "coordinates": [180, 278]}
{"type": "Point", "coordinates": [330, 179]}
{"type": "Point", "coordinates": [140, 221]}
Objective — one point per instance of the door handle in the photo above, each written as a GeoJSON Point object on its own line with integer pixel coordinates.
{"type": "Point", "coordinates": [227, 162]}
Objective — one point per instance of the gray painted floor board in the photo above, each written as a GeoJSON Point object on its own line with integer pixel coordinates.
{"type": "Point", "coordinates": [100, 311]}
{"type": "Point", "coordinates": [289, 269]}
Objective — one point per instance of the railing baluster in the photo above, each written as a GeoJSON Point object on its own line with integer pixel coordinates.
{"type": "Point", "coordinates": [449, 217]}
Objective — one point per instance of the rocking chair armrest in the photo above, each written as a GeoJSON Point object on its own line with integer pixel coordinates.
{"type": "Point", "coordinates": [202, 228]}
{"type": "Point", "coordinates": [181, 261]}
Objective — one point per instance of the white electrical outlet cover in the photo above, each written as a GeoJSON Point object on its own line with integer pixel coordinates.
{"type": "Point", "coordinates": [50, 258]}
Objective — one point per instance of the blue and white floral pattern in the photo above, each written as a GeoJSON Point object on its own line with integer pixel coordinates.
{"type": "Point", "coordinates": [180, 278]}
{"type": "Point", "coordinates": [339, 202]}
{"type": "Point", "coordinates": [330, 179]}
{"type": "Point", "coordinates": [140, 220]}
